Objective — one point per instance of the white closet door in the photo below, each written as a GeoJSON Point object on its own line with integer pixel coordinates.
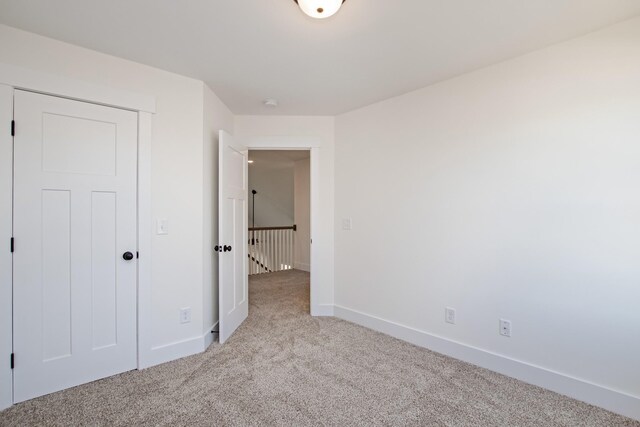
{"type": "Point", "coordinates": [75, 293]}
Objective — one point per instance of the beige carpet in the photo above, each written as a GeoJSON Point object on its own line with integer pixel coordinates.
{"type": "Point", "coordinates": [283, 367]}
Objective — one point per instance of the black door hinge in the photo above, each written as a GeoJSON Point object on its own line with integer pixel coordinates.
{"type": "Point", "coordinates": [13, 361]}
{"type": "Point", "coordinates": [13, 128]}
{"type": "Point", "coordinates": [12, 244]}
{"type": "Point", "coordinates": [137, 254]}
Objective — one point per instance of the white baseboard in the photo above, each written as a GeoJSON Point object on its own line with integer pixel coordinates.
{"type": "Point", "coordinates": [302, 266]}
{"type": "Point", "coordinates": [179, 349]}
{"type": "Point", "coordinates": [208, 336]}
{"type": "Point", "coordinates": [612, 400]}
{"type": "Point", "coordinates": [172, 351]}
{"type": "Point", "coordinates": [322, 310]}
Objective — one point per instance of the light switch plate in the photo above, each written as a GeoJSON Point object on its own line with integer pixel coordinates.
{"type": "Point", "coordinates": [163, 226]}
{"type": "Point", "coordinates": [346, 224]}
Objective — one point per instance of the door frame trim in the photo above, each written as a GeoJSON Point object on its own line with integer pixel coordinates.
{"type": "Point", "coordinates": [6, 259]}
{"type": "Point", "coordinates": [64, 87]}
{"type": "Point", "coordinates": [313, 145]}
{"type": "Point", "coordinates": [49, 84]}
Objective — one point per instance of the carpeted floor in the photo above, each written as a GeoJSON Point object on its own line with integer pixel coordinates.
{"type": "Point", "coordinates": [283, 367]}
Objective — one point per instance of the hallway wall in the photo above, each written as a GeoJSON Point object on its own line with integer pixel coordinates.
{"type": "Point", "coordinates": [275, 197]}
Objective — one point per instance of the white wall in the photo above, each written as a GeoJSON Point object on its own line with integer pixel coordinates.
{"type": "Point", "coordinates": [513, 192]}
{"type": "Point", "coordinates": [177, 176]}
{"type": "Point", "coordinates": [216, 117]}
{"type": "Point", "coordinates": [274, 198]}
{"type": "Point", "coordinates": [302, 214]}
{"type": "Point", "coordinates": [298, 131]}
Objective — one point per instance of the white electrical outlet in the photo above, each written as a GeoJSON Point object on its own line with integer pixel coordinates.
{"type": "Point", "coordinates": [450, 315]}
{"type": "Point", "coordinates": [185, 315]}
{"type": "Point", "coordinates": [505, 327]}
{"type": "Point", "coordinates": [346, 224]}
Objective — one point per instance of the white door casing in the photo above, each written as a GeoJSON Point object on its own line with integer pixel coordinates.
{"type": "Point", "coordinates": [74, 217]}
{"type": "Point", "coordinates": [6, 190]}
{"type": "Point", "coordinates": [232, 244]}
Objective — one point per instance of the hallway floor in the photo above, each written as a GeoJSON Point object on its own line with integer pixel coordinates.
{"type": "Point", "coordinates": [283, 367]}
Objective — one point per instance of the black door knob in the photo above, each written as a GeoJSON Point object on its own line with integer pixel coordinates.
{"type": "Point", "coordinates": [127, 256]}
{"type": "Point", "coordinates": [226, 248]}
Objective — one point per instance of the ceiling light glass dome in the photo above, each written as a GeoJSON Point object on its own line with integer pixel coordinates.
{"type": "Point", "coordinates": [320, 8]}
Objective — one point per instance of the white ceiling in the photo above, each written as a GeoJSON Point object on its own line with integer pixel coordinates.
{"type": "Point", "coordinates": [249, 50]}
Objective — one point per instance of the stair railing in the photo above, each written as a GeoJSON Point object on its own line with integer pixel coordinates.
{"type": "Point", "coordinates": [271, 249]}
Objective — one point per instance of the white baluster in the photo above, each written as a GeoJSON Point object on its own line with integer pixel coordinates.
{"type": "Point", "coordinates": [288, 236]}
{"type": "Point", "coordinates": [266, 247]}
{"type": "Point", "coordinates": [253, 253]}
{"type": "Point", "coordinates": [274, 236]}
{"type": "Point", "coordinates": [280, 248]}
{"type": "Point", "coordinates": [257, 250]}
{"type": "Point", "coordinates": [267, 251]}
{"type": "Point", "coordinates": [249, 261]}
{"type": "Point", "coordinates": [272, 251]}
{"type": "Point", "coordinates": [249, 266]}
{"type": "Point", "coordinates": [290, 249]}
{"type": "Point", "coordinates": [293, 248]}
{"type": "Point", "coordinates": [262, 251]}
{"type": "Point", "coordinates": [285, 247]}
{"type": "Point", "coordinates": [256, 269]}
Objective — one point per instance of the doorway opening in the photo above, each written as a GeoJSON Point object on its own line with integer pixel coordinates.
{"type": "Point", "coordinates": [279, 213]}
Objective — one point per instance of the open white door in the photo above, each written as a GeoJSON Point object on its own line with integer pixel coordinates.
{"type": "Point", "coordinates": [232, 232]}
{"type": "Point", "coordinates": [74, 265]}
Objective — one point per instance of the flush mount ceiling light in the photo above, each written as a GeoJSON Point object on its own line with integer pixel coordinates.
{"type": "Point", "coordinates": [320, 8]}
